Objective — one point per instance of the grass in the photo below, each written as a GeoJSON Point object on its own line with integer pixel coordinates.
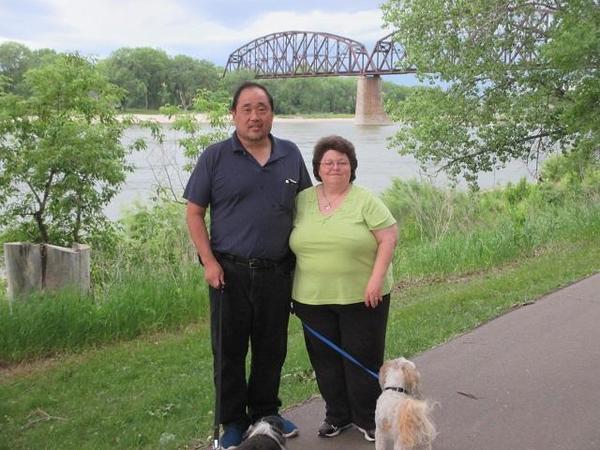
{"type": "Point", "coordinates": [43, 325]}
{"type": "Point", "coordinates": [156, 391]}
{"type": "Point", "coordinates": [150, 282]}
{"type": "Point", "coordinates": [448, 233]}
{"type": "Point", "coordinates": [488, 246]}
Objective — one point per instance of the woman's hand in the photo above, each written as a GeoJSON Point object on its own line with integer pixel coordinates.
{"type": "Point", "coordinates": [373, 292]}
{"type": "Point", "coordinates": [386, 242]}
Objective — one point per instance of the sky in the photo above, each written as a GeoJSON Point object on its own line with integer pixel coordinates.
{"type": "Point", "coordinates": [202, 29]}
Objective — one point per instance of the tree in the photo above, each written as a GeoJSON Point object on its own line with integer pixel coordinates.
{"type": "Point", "coordinates": [61, 160]}
{"type": "Point", "coordinates": [394, 93]}
{"type": "Point", "coordinates": [14, 62]}
{"type": "Point", "coordinates": [313, 95]}
{"type": "Point", "coordinates": [194, 137]}
{"type": "Point", "coordinates": [186, 75]}
{"type": "Point", "coordinates": [41, 57]}
{"type": "Point", "coordinates": [521, 79]}
{"type": "Point", "coordinates": [142, 72]}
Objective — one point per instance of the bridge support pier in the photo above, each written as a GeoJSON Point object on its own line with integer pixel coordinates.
{"type": "Point", "coordinates": [369, 104]}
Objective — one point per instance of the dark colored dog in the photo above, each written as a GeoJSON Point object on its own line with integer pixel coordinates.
{"type": "Point", "coordinates": [267, 434]}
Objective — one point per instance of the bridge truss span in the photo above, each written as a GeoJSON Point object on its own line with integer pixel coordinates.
{"type": "Point", "coordinates": [388, 56]}
{"type": "Point", "coordinates": [314, 54]}
{"type": "Point", "coordinates": [292, 54]}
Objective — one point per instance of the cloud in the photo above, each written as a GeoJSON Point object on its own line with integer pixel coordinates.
{"type": "Point", "coordinates": [123, 23]}
{"type": "Point", "coordinates": [100, 27]}
{"type": "Point", "coordinates": [362, 26]}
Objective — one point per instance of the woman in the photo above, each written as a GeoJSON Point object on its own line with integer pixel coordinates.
{"type": "Point", "coordinates": [344, 239]}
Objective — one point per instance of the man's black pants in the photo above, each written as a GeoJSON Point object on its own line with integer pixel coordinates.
{"type": "Point", "coordinates": [256, 306]}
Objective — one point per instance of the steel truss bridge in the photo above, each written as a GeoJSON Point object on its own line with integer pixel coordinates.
{"type": "Point", "coordinates": [291, 54]}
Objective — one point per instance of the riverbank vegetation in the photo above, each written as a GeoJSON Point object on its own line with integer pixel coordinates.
{"type": "Point", "coordinates": [451, 232]}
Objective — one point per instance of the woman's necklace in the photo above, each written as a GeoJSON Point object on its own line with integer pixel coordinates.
{"type": "Point", "coordinates": [331, 203]}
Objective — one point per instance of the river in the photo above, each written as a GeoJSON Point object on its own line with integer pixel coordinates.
{"type": "Point", "coordinates": [377, 164]}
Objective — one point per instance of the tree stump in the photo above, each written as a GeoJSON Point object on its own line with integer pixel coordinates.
{"type": "Point", "coordinates": [36, 267]}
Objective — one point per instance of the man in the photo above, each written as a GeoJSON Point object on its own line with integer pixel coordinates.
{"type": "Point", "coordinates": [250, 182]}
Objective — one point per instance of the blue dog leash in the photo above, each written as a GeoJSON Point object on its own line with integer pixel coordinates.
{"type": "Point", "coordinates": [340, 350]}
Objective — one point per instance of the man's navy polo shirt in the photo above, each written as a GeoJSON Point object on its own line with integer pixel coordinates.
{"type": "Point", "coordinates": [251, 207]}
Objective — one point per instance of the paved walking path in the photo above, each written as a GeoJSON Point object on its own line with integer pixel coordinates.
{"type": "Point", "coordinates": [529, 380]}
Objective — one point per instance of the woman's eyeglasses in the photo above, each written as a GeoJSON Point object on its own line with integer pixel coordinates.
{"type": "Point", "coordinates": [330, 164]}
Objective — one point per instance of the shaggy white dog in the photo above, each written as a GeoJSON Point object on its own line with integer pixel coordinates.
{"type": "Point", "coordinates": [402, 417]}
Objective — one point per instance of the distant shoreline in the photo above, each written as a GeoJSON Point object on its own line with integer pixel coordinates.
{"type": "Point", "coordinates": [164, 119]}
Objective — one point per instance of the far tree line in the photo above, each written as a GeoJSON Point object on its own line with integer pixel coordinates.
{"type": "Point", "coordinates": [151, 79]}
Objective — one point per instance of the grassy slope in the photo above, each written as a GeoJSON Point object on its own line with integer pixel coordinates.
{"type": "Point", "coordinates": [157, 391]}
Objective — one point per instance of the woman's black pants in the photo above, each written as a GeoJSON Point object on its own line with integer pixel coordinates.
{"type": "Point", "coordinates": [350, 393]}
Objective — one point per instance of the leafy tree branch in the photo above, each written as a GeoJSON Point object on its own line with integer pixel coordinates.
{"type": "Point", "coordinates": [519, 78]}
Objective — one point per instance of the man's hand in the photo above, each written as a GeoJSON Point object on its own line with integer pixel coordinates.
{"type": "Point", "coordinates": [214, 275]}
{"type": "Point", "coordinates": [213, 272]}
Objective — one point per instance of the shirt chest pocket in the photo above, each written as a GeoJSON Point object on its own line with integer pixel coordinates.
{"type": "Point", "coordinates": [288, 193]}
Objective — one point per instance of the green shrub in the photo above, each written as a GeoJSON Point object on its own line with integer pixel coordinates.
{"type": "Point", "coordinates": [423, 211]}
{"type": "Point", "coordinates": [151, 237]}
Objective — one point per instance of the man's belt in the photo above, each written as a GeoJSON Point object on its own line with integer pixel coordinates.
{"type": "Point", "coordinates": [251, 263]}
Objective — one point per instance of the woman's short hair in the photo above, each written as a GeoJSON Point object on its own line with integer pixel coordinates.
{"type": "Point", "coordinates": [339, 144]}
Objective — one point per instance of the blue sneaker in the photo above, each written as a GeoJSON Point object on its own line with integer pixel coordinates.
{"type": "Point", "coordinates": [289, 428]}
{"type": "Point", "coordinates": [232, 435]}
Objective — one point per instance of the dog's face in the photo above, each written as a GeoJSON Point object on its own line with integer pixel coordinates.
{"type": "Point", "coordinates": [276, 422]}
{"type": "Point", "coordinates": [267, 434]}
{"type": "Point", "coordinates": [403, 373]}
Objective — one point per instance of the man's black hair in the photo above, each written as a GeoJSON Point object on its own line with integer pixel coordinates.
{"type": "Point", "coordinates": [247, 85]}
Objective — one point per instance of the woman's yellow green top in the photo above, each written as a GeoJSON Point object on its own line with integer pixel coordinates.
{"type": "Point", "coordinates": [335, 253]}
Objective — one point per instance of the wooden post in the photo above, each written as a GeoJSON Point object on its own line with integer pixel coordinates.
{"type": "Point", "coordinates": [27, 271]}
{"type": "Point", "coordinates": [23, 268]}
